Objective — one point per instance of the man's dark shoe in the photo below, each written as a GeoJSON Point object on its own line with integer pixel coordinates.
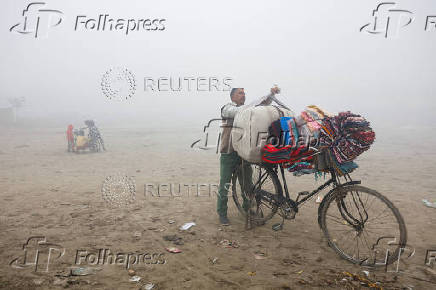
{"type": "Point", "coordinates": [224, 221]}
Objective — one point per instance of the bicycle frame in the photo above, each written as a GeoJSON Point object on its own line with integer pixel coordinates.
{"type": "Point", "coordinates": [334, 179]}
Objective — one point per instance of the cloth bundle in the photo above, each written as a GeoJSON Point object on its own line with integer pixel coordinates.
{"type": "Point", "coordinates": [249, 128]}
{"type": "Point", "coordinates": [311, 119]}
{"type": "Point", "coordinates": [300, 168]}
{"type": "Point", "coordinates": [291, 136]}
{"type": "Point", "coordinates": [285, 154]}
{"type": "Point", "coordinates": [347, 135]}
{"type": "Point", "coordinates": [344, 136]}
{"type": "Point", "coordinates": [291, 130]}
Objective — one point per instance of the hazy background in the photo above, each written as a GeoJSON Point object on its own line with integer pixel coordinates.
{"type": "Point", "coordinates": [312, 50]}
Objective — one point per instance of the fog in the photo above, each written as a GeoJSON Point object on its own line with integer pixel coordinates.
{"type": "Point", "coordinates": [313, 50]}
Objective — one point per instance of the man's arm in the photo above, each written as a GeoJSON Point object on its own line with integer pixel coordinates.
{"type": "Point", "coordinates": [230, 110]}
{"type": "Point", "coordinates": [266, 100]}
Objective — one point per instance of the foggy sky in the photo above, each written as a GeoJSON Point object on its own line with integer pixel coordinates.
{"type": "Point", "coordinates": [312, 49]}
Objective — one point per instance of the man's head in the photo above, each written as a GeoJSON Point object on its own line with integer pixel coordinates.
{"type": "Point", "coordinates": [238, 96]}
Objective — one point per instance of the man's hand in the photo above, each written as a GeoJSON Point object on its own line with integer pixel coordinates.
{"type": "Point", "coordinates": [275, 90]}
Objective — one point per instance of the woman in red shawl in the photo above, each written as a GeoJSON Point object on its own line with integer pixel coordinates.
{"type": "Point", "coordinates": [70, 138]}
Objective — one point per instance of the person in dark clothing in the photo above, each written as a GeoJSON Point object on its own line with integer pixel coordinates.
{"type": "Point", "coordinates": [94, 136]}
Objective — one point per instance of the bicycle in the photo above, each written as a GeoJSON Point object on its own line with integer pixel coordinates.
{"type": "Point", "coordinates": [346, 212]}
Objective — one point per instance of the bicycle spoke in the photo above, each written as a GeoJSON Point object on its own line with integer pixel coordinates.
{"type": "Point", "coordinates": [373, 200]}
{"type": "Point", "coordinates": [378, 217]}
{"type": "Point", "coordinates": [337, 219]}
{"type": "Point", "coordinates": [373, 218]}
{"type": "Point", "coordinates": [366, 242]}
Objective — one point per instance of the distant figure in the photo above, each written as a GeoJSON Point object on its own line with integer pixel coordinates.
{"type": "Point", "coordinates": [70, 138]}
{"type": "Point", "coordinates": [95, 139]}
{"type": "Point", "coordinates": [81, 141]}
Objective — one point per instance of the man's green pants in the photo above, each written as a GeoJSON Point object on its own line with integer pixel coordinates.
{"type": "Point", "coordinates": [228, 164]}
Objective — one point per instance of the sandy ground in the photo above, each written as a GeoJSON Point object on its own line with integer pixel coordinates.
{"type": "Point", "coordinates": [56, 195]}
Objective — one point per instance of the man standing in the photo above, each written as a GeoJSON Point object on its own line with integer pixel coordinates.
{"type": "Point", "coordinates": [229, 158]}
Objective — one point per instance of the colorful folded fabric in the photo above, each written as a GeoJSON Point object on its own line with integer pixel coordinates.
{"type": "Point", "coordinates": [345, 136]}
{"type": "Point", "coordinates": [286, 154]}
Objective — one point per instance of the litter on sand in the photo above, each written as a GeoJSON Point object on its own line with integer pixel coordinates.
{"type": "Point", "coordinates": [173, 250]}
{"type": "Point", "coordinates": [175, 239]}
{"type": "Point", "coordinates": [260, 256]}
{"type": "Point", "coordinates": [84, 271]}
{"type": "Point", "coordinates": [251, 273]}
{"type": "Point", "coordinates": [135, 279]}
{"type": "Point", "coordinates": [187, 226]}
{"type": "Point", "coordinates": [229, 244]}
{"type": "Point", "coordinates": [149, 286]}
{"type": "Point", "coordinates": [429, 204]}
{"type": "Point", "coordinates": [364, 281]}
{"type": "Point", "coordinates": [155, 229]}
{"type": "Point", "coordinates": [214, 260]}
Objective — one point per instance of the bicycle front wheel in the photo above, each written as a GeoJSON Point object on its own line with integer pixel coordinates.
{"type": "Point", "coordinates": [363, 226]}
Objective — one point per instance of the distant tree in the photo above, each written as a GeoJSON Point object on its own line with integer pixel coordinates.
{"type": "Point", "coordinates": [17, 102]}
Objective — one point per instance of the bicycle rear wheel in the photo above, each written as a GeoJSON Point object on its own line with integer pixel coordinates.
{"type": "Point", "coordinates": [363, 226]}
{"type": "Point", "coordinates": [256, 189]}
